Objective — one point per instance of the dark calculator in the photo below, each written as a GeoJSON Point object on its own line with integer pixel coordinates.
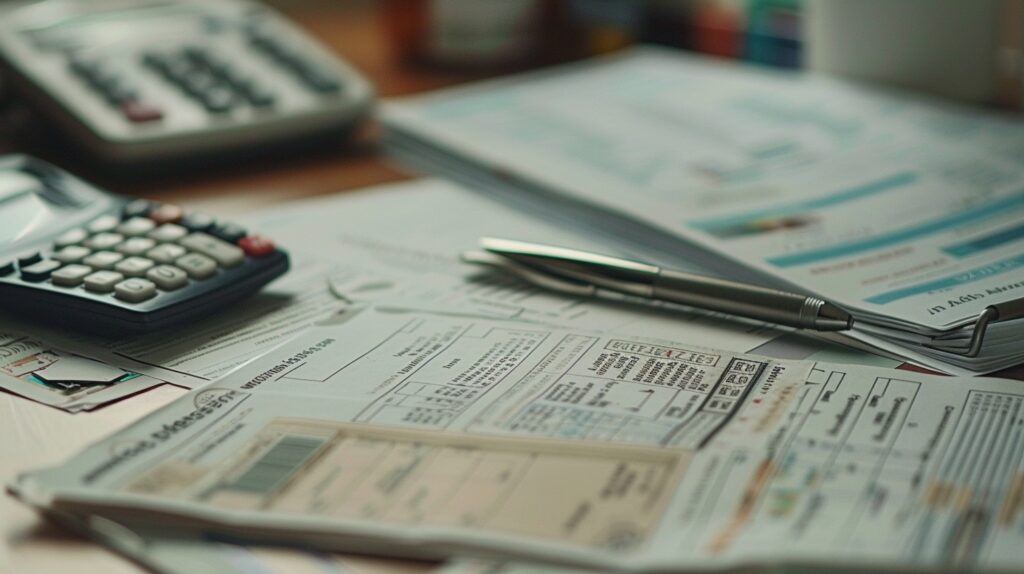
{"type": "Point", "coordinates": [99, 262]}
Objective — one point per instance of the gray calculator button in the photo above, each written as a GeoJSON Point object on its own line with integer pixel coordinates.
{"type": "Point", "coordinates": [102, 241]}
{"type": "Point", "coordinates": [70, 275]}
{"type": "Point", "coordinates": [102, 281]}
{"type": "Point", "coordinates": [134, 290]}
{"type": "Point", "coordinates": [197, 266]}
{"type": "Point", "coordinates": [103, 223]}
{"type": "Point", "coordinates": [168, 232]}
{"type": "Point", "coordinates": [166, 253]}
{"type": "Point", "coordinates": [136, 226]}
{"type": "Point", "coordinates": [136, 246]}
{"type": "Point", "coordinates": [70, 238]}
{"type": "Point", "coordinates": [103, 259]}
{"type": "Point", "coordinates": [71, 254]}
{"type": "Point", "coordinates": [167, 277]}
{"type": "Point", "coordinates": [225, 254]}
{"type": "Point", "coordinates": [133, 266]}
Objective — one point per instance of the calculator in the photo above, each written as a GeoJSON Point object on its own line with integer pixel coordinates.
{"type": "Point", "coordinates": [104, 263]}
{"type": "Point", "coordinates": [141, 80]}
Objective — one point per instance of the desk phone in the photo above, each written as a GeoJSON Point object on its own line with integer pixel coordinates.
{"type": "Point", "coordinates": [136, 80]}
{"type": "Point", "coordinates": [105, 263]}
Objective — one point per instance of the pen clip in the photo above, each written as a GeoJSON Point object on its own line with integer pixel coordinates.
{"type": "Point", "coordinates": [529, 274]}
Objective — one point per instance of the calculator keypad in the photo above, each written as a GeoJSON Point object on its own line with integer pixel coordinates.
{"type": "Point", "coordinates": [166, 253]}
{"type": "Point", "coordinates": [133, 266]}
{"type": "Point", "coordinates": [167, 277]}
{"type": "Point", "coordinates": [225, 254]}
{"type": "Point", "coordinates": [71, 237]}
{"type": "Point", "coordinates": [197, 266]}
{"type": "Point", "coordinates": [103, 259]}
{"type": "Point", "coordinates": [136, 226]}
{"type": "Point", "coordinates": [72, 254]}
{"type": "Point", "coordinates": [103, 241]}
{"type": "Point", "coordinates": [151, 248]}
{"type": "Point", "coordinates": [205, 74]}
{"type": "Point", "coordinates": [168, 232]}
{"type": "Point", "coordinates": [102, 281]}
{"type": "Point", "coordinates": [136, 246]}
{"type": "Point", "coordinates": [135, 290]}
{"type": "Point", "coordinates": [70, 275]}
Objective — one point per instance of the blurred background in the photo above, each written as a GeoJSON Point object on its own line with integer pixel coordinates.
{"type": "Point", "coordinates": [964, 50]}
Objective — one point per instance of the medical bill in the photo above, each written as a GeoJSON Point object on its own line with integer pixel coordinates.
{"type": "Point", "coordinates": [428, 434]}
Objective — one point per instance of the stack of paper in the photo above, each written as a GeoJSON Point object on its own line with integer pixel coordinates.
{"type": "Point", "coordinates": [908, 212]}
{"type": "Point", "coordinates": [433, 434]}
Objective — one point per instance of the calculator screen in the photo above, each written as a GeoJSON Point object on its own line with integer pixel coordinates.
{"type": "Point", "coordinates": [104, 27]}
{"type": "Point", "coordinates": [27, 208]}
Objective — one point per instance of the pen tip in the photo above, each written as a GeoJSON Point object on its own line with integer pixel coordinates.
{"type": "Point", "coordinates": [834, 317]}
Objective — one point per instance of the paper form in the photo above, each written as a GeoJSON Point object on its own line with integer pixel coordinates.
{"type": "Point", "coordinates": [425, 434]}
{"type": "Point", "coordinates": [906, 210]}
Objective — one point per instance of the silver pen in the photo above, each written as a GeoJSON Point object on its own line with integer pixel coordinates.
{"type": "Point", "coordinates": [586, 274]}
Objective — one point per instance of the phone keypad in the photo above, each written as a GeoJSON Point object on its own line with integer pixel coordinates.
{"type": "Point", "coordinates": [151, 248]}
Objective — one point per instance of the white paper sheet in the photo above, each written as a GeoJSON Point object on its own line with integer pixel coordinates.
{"type": "Point", "coordinates": [907, 211]}
{"type": "Point", "coordinates": [43, 373]}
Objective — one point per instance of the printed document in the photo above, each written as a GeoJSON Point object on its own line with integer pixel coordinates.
{"type": "Point", "coordinates": [377, 244]}
{"type": "Point", "coordinates": [430, 434]}
{"type": "Point", "coordinates": [40, 372]}
{"type": "Point", "coordinates": [909, 212]}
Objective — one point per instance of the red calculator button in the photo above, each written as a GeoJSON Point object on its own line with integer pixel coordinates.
{"type": "Point", "coordinates": [166, 213]}
{"type": "Point", "coordinates": [139, 112]}
{"type": "Point", "coordinates": [256, 246]}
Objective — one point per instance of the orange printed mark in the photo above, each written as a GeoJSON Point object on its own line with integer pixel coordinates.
{"type": "Point", "coordinates": [939, 495]}
{"type": "Point", "coordinates": [724, 539]}
{"type": "Point", "coordinates": [1014, 502]}
{"type": "Point", "coordinates": [776, 409]}
{"type": "Point", "coordinates": [963, 498]}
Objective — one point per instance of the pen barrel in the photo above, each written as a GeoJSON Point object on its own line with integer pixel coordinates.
{"type": "Point", "coordinates": [769, 305]}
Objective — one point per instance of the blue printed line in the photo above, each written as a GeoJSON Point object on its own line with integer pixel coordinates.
{"type": "Point", "coordinates": [859, 192]}
{"type": "Point", "coordinates": [997, 239]}
{"type": "Point", "coordinates": [970, 276]}
{"type": "Point", "coordinates": [970, 216]}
